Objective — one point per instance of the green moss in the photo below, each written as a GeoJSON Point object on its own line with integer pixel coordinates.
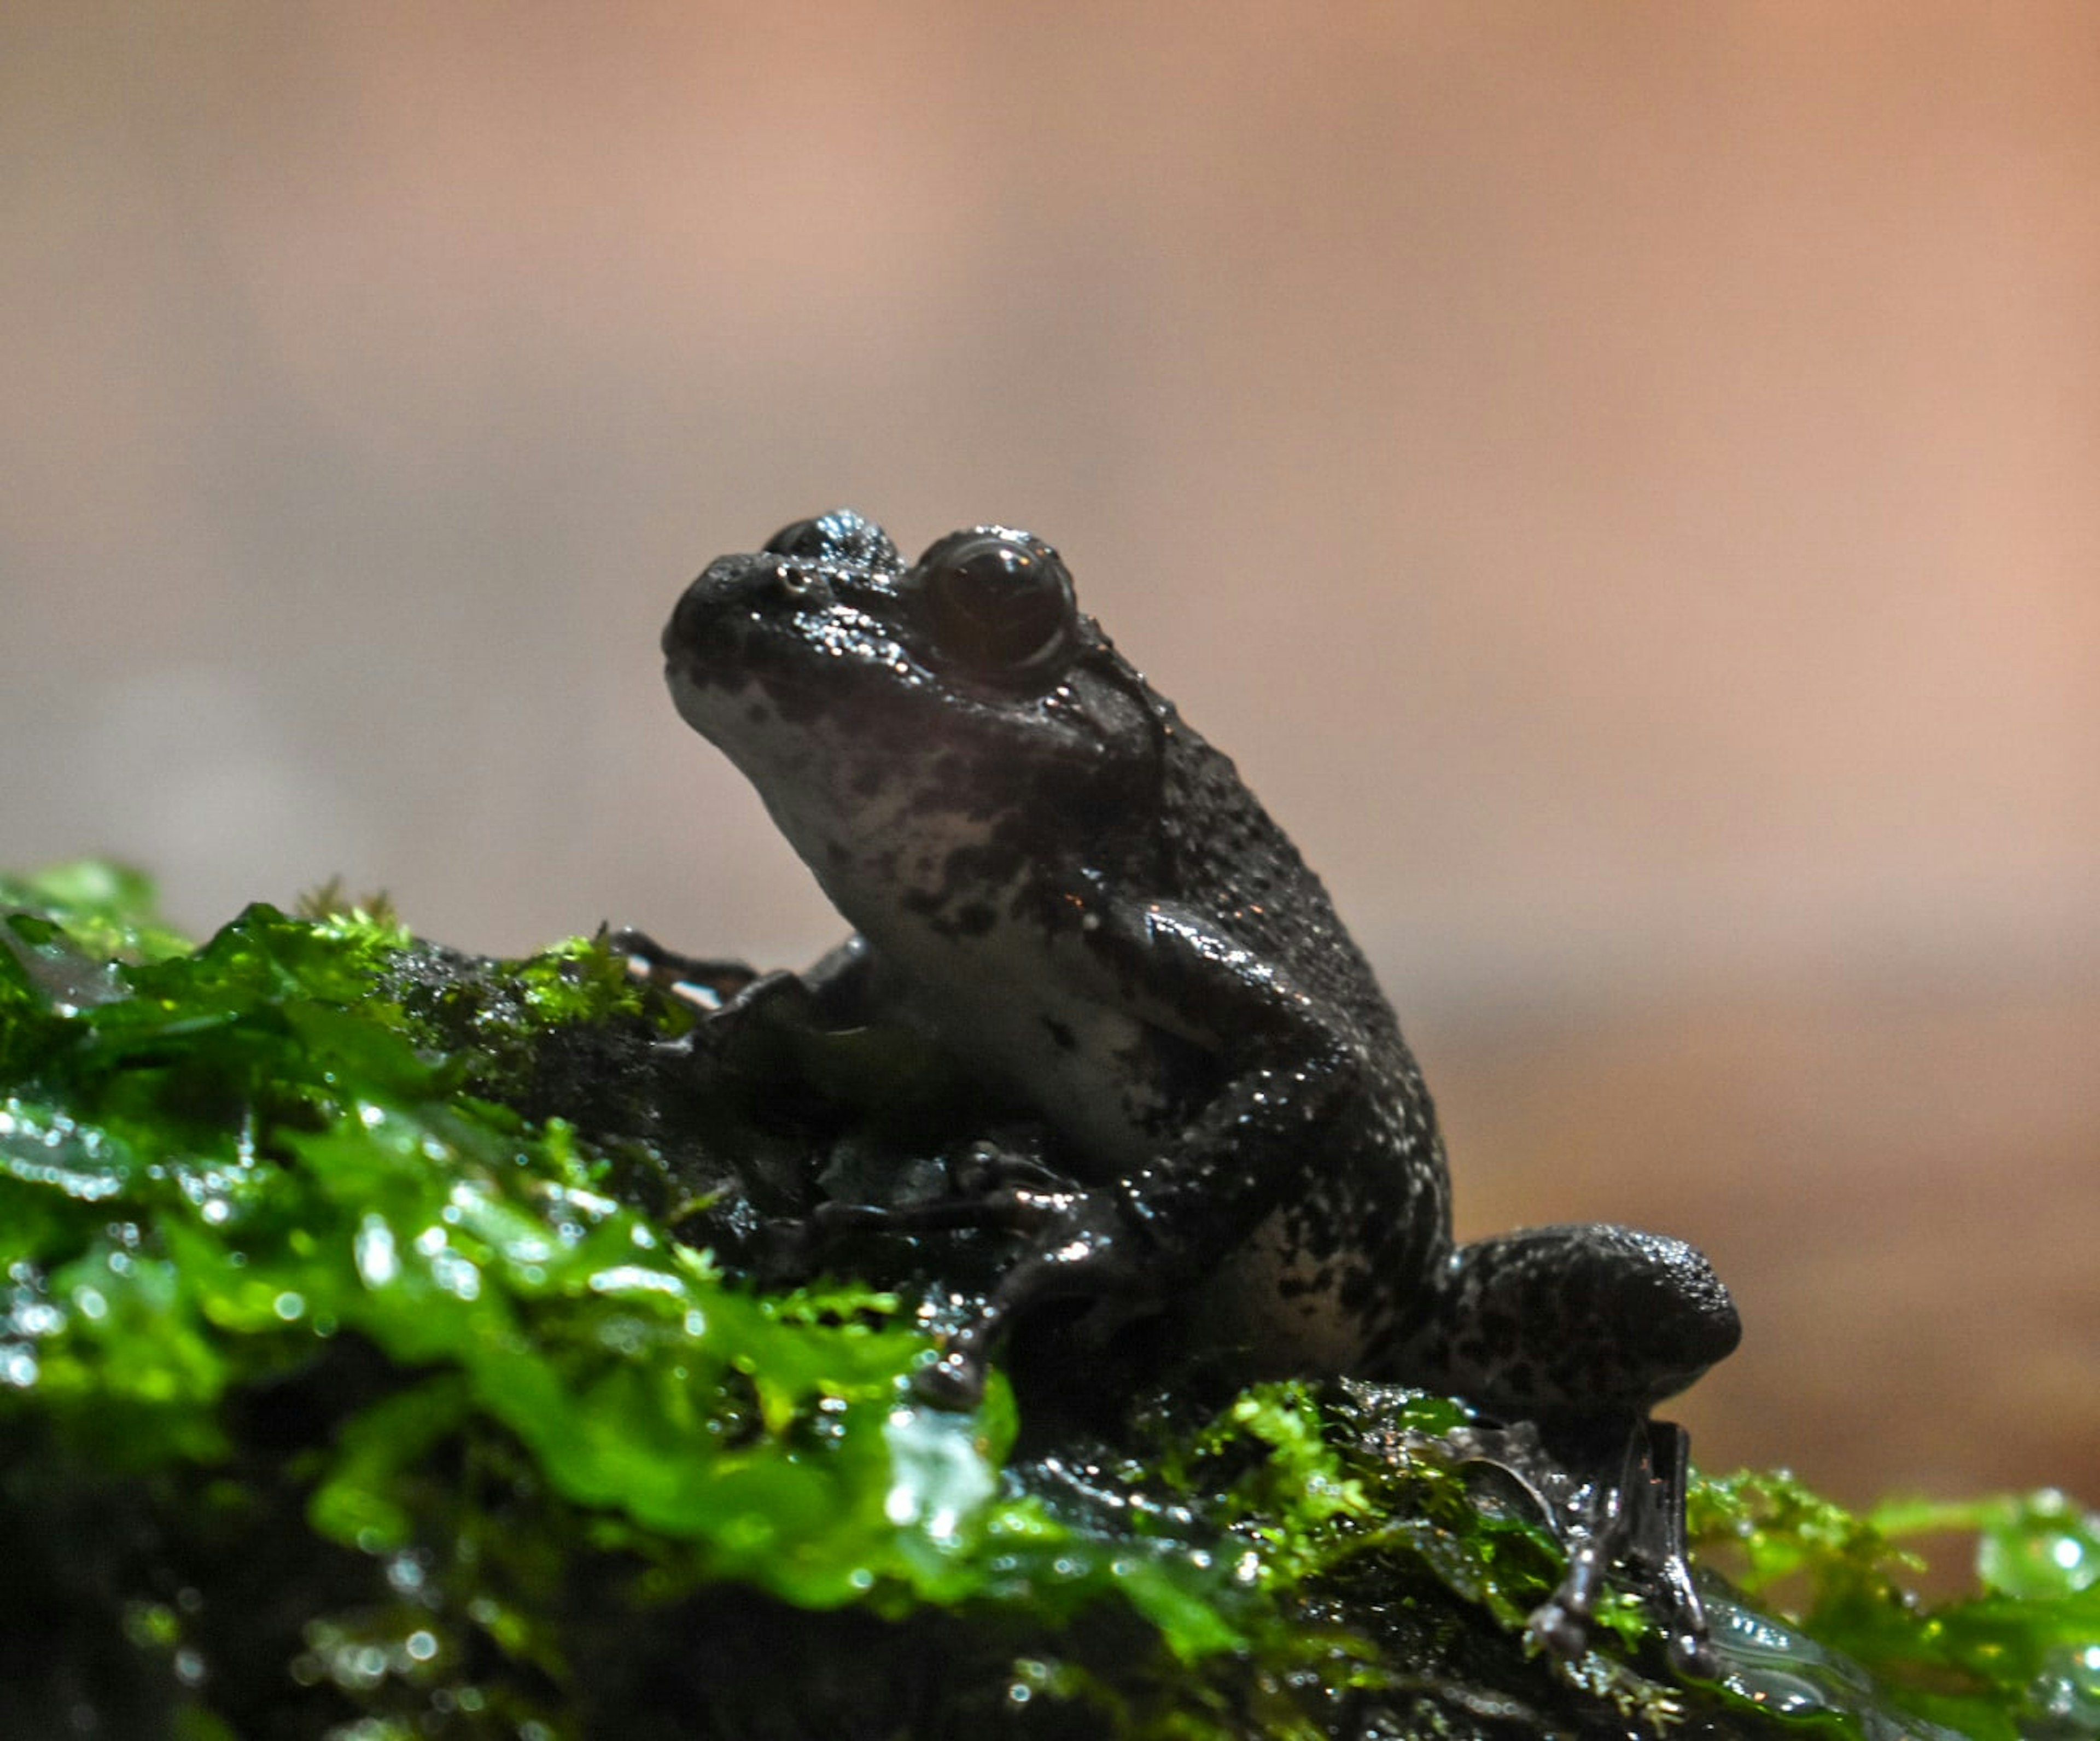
{"type": "Point", "coordinates": [2022, 1657]}
{"type": "Point", "coordinates": [109, 910]}
{"type": "Point", "coordinates": [362, 1374]}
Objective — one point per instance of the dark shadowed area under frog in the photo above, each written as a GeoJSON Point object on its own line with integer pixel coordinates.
{"type": "Point", "coordinates": [361, 1375]}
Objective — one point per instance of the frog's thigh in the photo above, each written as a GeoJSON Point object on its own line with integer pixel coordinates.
{"type": "Point", "coordinates": [1568, 1320]}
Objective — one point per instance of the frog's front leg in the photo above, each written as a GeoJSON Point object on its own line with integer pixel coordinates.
{"type": "Point", "coordinates": [821, 1027]}
{"type": "Point", "coordinates": [1280, 1068]}
{"type": "Point", "coordinates": [1077, 1249]}
{"type": "Point", "coordinates": [1271, 1076]}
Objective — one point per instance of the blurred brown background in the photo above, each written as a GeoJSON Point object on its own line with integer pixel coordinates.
{"type": "Point", "coordinates": [1620, 479]}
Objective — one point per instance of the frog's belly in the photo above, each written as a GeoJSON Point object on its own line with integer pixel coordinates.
{"type": "Point", "coordinates": [1270, 1298]}
{"type": "Point", "coordinates": [1102, 1079]}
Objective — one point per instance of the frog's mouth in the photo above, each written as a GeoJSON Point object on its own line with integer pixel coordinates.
{"type": "Point", "coordinates": [809, 670]}
{"type": "Point", "coordinates": [763, 688]}
{"type": "Point", "coordinates": [728, 700]}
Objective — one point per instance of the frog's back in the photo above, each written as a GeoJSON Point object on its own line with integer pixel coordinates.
{"type": "Point", "coordinates": [1225, 857]}
{"type": "Point", "coordinates": [1367, 1214]}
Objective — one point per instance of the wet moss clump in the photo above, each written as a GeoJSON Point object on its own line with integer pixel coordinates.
{"type": "Point", "coordinates": [393, 1343]}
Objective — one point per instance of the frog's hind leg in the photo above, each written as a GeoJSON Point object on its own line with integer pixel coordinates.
{"type": "Point", "coordinates": [1566, 1322]}
{"type": "Point", "coordinates": [1583, 1330]}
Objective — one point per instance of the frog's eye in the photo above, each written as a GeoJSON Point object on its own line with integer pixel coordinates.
{"type": "Point", "coordinates": [805, 538]}
{"type": "Point", "coordinates": [841, 536]}
{"type": "Point", "coordinates": [998, 602]}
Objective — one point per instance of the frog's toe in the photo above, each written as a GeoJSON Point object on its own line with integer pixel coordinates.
{"type": "Point", "coordinates": [1691, 1653]}
{"type": "Point", "coordinates": [785, 1250]}
{"type": "Point", "coordinates": [955, 1380]}
{"type": "Point", "coordinates": [1558, 1629]}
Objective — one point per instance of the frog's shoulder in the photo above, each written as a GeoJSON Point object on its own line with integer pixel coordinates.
{"type": "Point", "coordinates": [1224, 855]}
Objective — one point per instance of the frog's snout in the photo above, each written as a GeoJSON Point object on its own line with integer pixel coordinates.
{"type": "Point", "coordinates": [734, 587]}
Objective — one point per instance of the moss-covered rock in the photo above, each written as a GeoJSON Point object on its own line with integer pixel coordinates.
{"type": "Point", "coordinates": [380, 1355]}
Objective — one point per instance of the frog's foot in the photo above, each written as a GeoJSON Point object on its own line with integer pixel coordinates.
{"type": "Point", "coordinates": [831, 994]}
{"type": "Point", "coordinates": [1618, 1504]}
{"type": "Point", "coordinates": [1079, 1247]}
{"type": "Point", "coordinates": [786, 1251]}
{"type": "Point", "coordinates": [1083, 1250]}
{"type": "Point", "coordinates": [702, 980]}
{"type": "Point", "coordinates": [1041, 1202]}
{"type": "Point", "coordinates": [1636, 1519]}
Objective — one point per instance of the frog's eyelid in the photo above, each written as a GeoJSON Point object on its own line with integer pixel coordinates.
{"type": "Point", "coordinates": [841, 536]}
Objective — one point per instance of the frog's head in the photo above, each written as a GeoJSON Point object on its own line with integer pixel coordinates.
{"type": "Point", "coordinates": [890, 715]}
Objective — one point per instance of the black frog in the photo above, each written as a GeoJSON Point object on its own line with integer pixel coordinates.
{"type": "Point", "coordinates": [1066, 888]}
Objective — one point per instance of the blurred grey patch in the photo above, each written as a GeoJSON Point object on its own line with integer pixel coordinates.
{"type": "Point", "coordinates": [192, 773]}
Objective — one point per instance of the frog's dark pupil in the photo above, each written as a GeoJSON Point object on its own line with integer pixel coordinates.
{"type": "Point", "coordinates": [997, 602]}
{"type": "Point", "coordinates": [803, 538]}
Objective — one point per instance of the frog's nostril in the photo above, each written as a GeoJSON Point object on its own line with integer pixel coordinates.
{"type": "Point", "coordinates": [797, 583]}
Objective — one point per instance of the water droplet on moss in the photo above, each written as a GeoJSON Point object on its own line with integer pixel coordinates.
{"type": "Point", "coordinates": [377, 1262]}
